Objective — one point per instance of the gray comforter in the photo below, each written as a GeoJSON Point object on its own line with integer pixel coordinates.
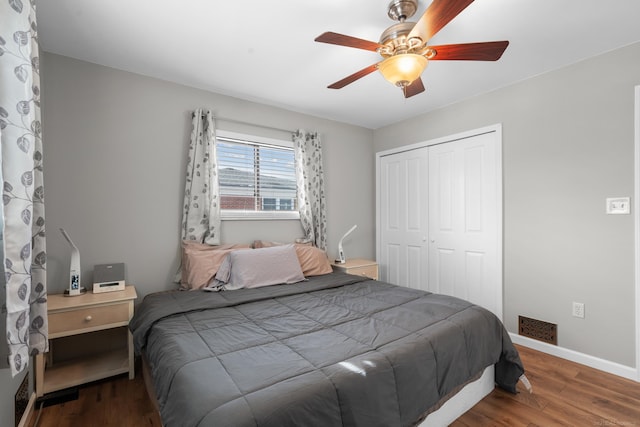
{"type": "Point", "coordinates": [337, 350]}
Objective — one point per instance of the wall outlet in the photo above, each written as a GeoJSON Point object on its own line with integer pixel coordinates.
{"type": "Point", "coordinates": [578, 310]}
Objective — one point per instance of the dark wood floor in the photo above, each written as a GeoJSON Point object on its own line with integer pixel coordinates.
{"type": "Point", "coordinates": [564, 394]}
{"type": "Point", "coordinates": [117, 402]}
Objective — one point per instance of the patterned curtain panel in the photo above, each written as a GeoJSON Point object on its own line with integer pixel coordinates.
{"type": "Point", "coordinates": [310, 183]}
{"type": "Point", "coordinates": [23, 241]}
{"type": "Point", "coordinates": [201, 211]}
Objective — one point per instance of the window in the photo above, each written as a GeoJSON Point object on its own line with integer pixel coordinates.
{"type": "Point", "coordinates": [256, 177]}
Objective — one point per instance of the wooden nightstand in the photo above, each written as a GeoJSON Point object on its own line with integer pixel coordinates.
{"type": "Point", "coordinates": [82, 315]}
{"type": "Point", "coordinates": [358, 266]}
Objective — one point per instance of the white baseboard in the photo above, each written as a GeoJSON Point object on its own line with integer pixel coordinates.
{"type": "Point", "coordinates": [24, 421]}
{"type": "Point", "coordinates": [574, 356]}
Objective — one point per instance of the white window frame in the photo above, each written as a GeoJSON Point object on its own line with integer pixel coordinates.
{"type": "Point", "coordinates": [234, 215]}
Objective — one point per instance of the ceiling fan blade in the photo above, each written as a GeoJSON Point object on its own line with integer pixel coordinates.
{"type": "Point", "coordinates": [353, 77]}
{"type": "Point", "coordinates": [437, 15]}
{"type": "Point", "coordinates": [414, 88]}
{"type": "Point", "coordinates": [484, 51]}
{"type": "Point", "coordinates": [348, 41]}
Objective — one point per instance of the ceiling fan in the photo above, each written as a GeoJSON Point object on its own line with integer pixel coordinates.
{"type": "Point", "coordinates": [404, 45]}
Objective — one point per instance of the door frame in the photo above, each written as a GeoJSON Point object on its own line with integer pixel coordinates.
{"type": "Point", "coordinates": [497, 129]}
{"type": "Point", "coordinates": [636, 220]}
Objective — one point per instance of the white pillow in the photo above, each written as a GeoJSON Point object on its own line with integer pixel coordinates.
{"type": "Point", "coordinates": [254, 268]}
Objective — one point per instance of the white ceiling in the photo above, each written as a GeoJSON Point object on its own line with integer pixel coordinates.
{"type": "Point", "coordinates": [264, 50]}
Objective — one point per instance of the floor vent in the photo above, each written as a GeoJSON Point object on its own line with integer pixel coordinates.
{"type": "Point", "coordinates": [538, 330]}
{"type": "Point", "coordinates": [21, 399]}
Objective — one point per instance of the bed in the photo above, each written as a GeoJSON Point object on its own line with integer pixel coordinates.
{"type": "Point", "coordinates": [330, 350]}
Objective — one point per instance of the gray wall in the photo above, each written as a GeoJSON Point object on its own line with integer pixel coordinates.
{"type": "Point", "coordinates": [568, 141]}
{"type": "Point", "coordinates": [115, 155]}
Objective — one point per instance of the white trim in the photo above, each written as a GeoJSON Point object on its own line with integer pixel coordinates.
{"type": "Point", "coordinates": [574, 356]}
{"type": "Point", "coordinates": [254, 138]}
{"type": "Point", "coordinates": [499, 209]}
{"type": "Point", "coordinates": [377, 197]}
{"type": "Point", "coordinates": [449, 138]}
{"type": "Point", "coordinates": [231, 215]}
{"type": "Point", "coordinates": [636, 217]}
{"type": "Point", "coordinates": [26, 416]}
{"type": "Point", "coordinates": [497, 128]}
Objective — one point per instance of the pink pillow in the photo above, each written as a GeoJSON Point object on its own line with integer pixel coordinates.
{"type": "Point", "coordinates": [313, 261]}
{"type": "Point", "coordinates": [200, 262]}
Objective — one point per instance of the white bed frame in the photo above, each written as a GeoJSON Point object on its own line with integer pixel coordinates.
{"type": "Point", "coordinates": [462, 401]}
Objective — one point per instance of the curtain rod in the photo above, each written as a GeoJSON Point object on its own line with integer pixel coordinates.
{"type": "Point", "coordinates": [253, 124]}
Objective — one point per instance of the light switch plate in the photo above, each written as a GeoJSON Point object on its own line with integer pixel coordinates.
{"type": "Point", "coordinates": [618, 205]}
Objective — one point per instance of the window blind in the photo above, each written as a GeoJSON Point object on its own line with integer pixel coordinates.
{"type": "Point", "coordinates": [255, 177]}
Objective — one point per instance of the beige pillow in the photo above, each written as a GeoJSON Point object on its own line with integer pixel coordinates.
{"type": "Point", "coordinates": [259, 244]}
{"type": "Point", "coordinates": [313, 261]}
{"type": "Point", "coordinates": [200, 262]}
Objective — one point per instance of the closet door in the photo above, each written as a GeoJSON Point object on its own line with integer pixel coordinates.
{"type": "Point", "coordinates": [464, 220]}
{"type": "Point", "coordinates": [403, 218]}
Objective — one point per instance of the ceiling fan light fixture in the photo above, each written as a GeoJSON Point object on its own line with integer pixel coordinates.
{"type": "Point", "coordinates": [402, 69]}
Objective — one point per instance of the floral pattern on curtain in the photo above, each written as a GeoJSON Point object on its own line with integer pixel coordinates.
{"type": "Point", "coordinates": [310, 182]}
{"type": "Point", "coordinates": [201, 210]}
{"type": "Point", "coordinates": [23, 236]}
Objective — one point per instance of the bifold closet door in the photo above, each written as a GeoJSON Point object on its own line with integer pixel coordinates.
{"type": "Point", "coordinates": [403, 211]}
{"type": "Point", "coordinates": [464, 221]}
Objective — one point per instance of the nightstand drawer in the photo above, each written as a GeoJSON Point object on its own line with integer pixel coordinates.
{"type": "Point", "coordinates": [89, 318]}
{"type": "Point", "coordinates": [370, 271]}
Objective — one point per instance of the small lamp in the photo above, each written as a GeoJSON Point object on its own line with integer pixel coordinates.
{"type": "Point", "coordinates": [74, 288]}
{"type": "Point", "coordinates": [402, 69]}
{"type": "Point", "coordinates": [341, 258]}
